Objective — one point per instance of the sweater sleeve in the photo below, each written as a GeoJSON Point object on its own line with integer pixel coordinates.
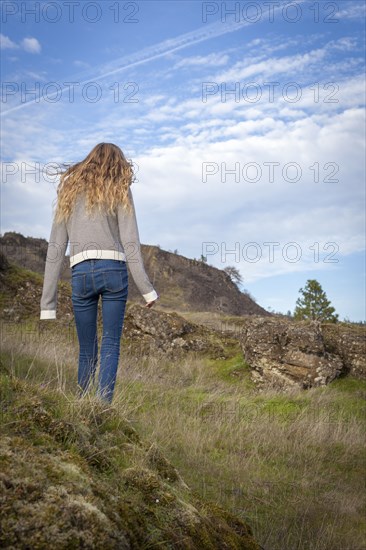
{"type": "Point", "coordinates": [55, 256]}
{"type": "Point", "coordinates": [130, 240]}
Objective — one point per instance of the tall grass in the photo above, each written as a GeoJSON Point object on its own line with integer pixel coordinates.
{"type": "Point", "coordinates": [292, 465]}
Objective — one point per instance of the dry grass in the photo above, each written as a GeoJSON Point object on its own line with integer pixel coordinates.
{"type": "Point", "coordinates": [292, 465]}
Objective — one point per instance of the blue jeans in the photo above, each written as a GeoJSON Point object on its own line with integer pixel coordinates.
{"type": "Point", "coordinates": [89, 279]}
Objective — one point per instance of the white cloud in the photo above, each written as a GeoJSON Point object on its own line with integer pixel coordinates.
{"type": "Point", "coordinates": [229, 211]}
{"type": "Point", "coordinates": [347, 43]}
{"type": "Point", "coordinates": [31, 45]}
{"type": "Point", "coordinates": [352, 11]}
{"type": "Point", "coordinates": [272, 66]}
{"type": "Point", "coordinates": [6, 43]}
{"type": "Point", "coordinates": [206, 60]}
{"type": "Point", "coordinates": [37, 76]}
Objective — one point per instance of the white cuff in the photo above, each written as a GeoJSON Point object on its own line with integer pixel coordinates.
{"type": "Point", "coordinates": [151, 296]}
{"type": "Point", "coordinates": [48, 314]}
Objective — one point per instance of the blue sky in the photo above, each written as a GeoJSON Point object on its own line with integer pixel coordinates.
{"type": "Point", "coordinates": [245, 121]}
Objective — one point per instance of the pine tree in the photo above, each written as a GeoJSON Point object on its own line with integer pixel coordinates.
{"type": "Point", "coordinates": [314, 304]}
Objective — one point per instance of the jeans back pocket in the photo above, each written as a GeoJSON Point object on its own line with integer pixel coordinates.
{"type": "Point", "coordinates": [115, 281]}
{"type": "Point", "coordinates": [78, 283]}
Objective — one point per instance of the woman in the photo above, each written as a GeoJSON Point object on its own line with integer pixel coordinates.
{"type": "Point", "coordinates": [95, 212]}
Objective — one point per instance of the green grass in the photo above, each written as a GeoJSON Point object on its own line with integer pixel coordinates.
{"type": "Point", "coordinates": [233, 370]}
{"type": "Point", "coordinates": [349, 385]}
{"type": "Point", "coordinates": [17, 276]}
{"type": "Point", "coordinates": [40, 371]}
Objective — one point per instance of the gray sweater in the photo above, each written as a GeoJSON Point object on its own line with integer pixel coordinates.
{"type": "Point", "coordinates": [100, 236]}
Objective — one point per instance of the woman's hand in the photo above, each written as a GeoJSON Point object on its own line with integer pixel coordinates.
{"type": "Point", "coordinates": [150, 304]}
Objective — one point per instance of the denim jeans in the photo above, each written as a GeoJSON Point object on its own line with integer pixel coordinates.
{"type": "Point", "coordinates": [89, 279]}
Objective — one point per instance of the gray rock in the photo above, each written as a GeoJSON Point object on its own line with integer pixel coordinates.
{"type": "Point", "coordinates": [283, 353]}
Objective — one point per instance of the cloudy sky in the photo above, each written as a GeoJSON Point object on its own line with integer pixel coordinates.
{"type": "Point", "coordinates": [245, 122]}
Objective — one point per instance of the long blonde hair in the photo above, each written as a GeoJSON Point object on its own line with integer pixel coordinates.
{"type": "Point", "coordinates": [105, 175]}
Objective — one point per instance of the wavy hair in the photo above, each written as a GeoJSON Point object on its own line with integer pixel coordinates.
{"type": "Point", "coordinates": [105, 176]}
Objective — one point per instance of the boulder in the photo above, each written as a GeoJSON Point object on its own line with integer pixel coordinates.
{"type": "Point", "coordinates": [283, 353]}
{"type": "Point", "coordinates": [154, 330]}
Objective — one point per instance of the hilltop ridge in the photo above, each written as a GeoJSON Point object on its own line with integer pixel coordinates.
{"type": "Point", "coordinates": [182, 283]}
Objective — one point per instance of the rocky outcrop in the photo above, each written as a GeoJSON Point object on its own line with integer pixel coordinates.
{"type": "Point", "coordinates": [27, 252]}
{"type": "Point", "coordinates": [154, 330]}
{"type": "Point", "coordinates": [284, 353]}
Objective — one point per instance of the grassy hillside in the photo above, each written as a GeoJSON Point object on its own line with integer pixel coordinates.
{"type": "Point", "coordinates": [289, 466]}
{"type": "Point", "coordinates": [76, 474]}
